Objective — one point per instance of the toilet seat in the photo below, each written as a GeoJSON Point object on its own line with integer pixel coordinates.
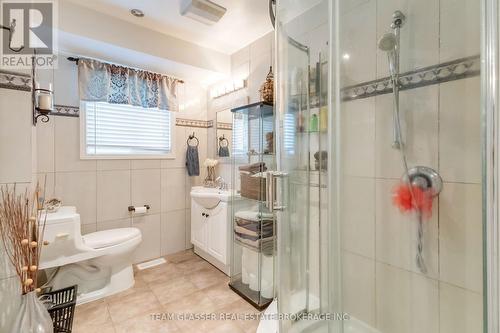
{"type": "Point", "coordinates": [107, 238]}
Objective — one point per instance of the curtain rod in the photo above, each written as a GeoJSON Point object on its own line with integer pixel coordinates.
{"type": "Point", "coordinates": [75, 59]}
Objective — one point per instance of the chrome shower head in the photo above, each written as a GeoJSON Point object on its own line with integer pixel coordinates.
{"type": "Point", "coordinates": [387, 42]}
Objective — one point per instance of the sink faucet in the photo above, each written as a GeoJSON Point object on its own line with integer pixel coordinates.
{"type": "Point", "coordinates": [221, 182]}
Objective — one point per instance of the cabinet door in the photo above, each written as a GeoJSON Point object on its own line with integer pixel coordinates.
{"type": "Point", "coordinates": [217, 232]}
{"type": "Point", "coordinates": [198, 226]}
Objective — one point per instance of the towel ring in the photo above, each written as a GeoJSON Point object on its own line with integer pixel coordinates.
{"type": "Point", "coordinates": [192, 137]}
{"type": "Point", "coordinates": [223, 139]}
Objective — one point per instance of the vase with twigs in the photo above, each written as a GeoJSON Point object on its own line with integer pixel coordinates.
{"type": "Point", "coordinates": [22, 225]}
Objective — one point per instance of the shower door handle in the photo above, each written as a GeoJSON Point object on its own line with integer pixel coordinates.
{"type": "Point", "coordinates": [271, 182]}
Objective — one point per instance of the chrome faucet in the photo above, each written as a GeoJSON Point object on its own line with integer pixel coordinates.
{"type": "Point", "coordinates": [221, 183]}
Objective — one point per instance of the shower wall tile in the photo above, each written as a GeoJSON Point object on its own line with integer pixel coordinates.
{"type": "Point", "coordinates": [358, 137]}
{"type": "Point", "coordinates": [460, 29]}
{"type": "Point", "coordinates": [460, 236]}
{"type": "Point", "coordinates": [113, 195]}
{"type": "Point", "coordinates": [406, 302]}
{"type": "Point", "coordinates": [396, 233]}
{"type": "Point", "coordinates": [460, 131]}
{"type": "Point", "coordinates": [358, 285]}
{"type": "Point", "coordinates": [358, 215]}
{"type": "Point", "coordinates": [461, 311]}
{"type": "Point", "coordinates": [358, 29]}
{"type": "Point", "coordinates": [419, 123]}
{"type": "Point", "coordinates": [78, 189]}
{"type": "Point", "coordinates": [145, 189]}
{"type": "Point", "coordinates": [150, 247]}
{"type": "Point", "coordinates": [419, 34]}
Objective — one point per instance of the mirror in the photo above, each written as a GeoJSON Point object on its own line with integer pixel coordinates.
{"type": "Point", "coordinates": [223, 134]}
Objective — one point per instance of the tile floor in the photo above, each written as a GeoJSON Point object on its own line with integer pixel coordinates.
{"type": "Point", "coordinates": [185, 284]}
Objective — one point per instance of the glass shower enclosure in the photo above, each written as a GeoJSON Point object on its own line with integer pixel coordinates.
{"type": "Point", "coordinates": [385, 162]}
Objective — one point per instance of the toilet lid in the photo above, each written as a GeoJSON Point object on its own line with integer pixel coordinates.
{"type": "Point", "coordinates": [106, 238]}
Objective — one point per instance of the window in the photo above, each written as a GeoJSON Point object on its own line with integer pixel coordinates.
{"type": "Point", "coordinates": [125, 131]}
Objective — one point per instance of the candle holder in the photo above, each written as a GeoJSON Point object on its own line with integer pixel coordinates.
{"type": "Point", "coordinates": [42, 99]}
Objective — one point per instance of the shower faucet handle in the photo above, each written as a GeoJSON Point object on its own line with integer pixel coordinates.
{"type": "Point", "coordinates": [398, 19]}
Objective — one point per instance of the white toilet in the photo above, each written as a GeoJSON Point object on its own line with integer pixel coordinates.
{"type": "Point", "coordinates": [100, 263]}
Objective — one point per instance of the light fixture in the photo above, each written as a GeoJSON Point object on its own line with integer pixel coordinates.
{"type": "Point", "coordinates": [137, 12]}
{"type": "Point", "coordinates": [204, 11]}
{"type": "Point", "coordinates": [346, 56]}
{"type": "Point", "coordinates": [227, 87]}
{"type": "Point", "coordinates": [42, 99]}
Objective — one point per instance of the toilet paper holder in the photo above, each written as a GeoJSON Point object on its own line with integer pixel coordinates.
{"type": "Point", "coordinates": [132, 208]}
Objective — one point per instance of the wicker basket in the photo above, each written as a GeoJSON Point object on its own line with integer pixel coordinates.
{"type": "Point", "coordinates": [253, 187]}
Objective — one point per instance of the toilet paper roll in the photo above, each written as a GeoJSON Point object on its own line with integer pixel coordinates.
{"type": "Point", "coordinates": [140, 210]}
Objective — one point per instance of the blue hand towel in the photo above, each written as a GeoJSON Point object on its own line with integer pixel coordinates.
{"type": "Point", "coordinates": [192, 161]}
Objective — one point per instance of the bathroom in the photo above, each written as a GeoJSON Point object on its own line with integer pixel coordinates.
{"type": "Point", "coordinates": [250, 166]}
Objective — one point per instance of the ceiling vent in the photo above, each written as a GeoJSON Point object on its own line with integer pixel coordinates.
{"type": "Point", "coordinates": [204, 11]}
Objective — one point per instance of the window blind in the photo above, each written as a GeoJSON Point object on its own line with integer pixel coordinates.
{"type": "Point", "coordinates": [118, 129]}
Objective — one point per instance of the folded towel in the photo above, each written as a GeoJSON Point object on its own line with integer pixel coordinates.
{"type": "Point", "coordinates": [256, 234]}
{"type": "Point", "coordinates": [254, 167]}
{"type": "Point", "coordinates": [192, 161]}
{"type": "Point", "coordinates": [253, 215]}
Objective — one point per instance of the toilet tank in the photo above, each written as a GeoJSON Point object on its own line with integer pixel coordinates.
{"type": "Point", "coordinates": [62, 231]}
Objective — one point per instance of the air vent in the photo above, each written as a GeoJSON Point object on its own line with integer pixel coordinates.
{"type": "Point", "coordinates": [204, 11]}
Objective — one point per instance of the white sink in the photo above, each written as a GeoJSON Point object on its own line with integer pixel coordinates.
{"type": "Point", "coordinates": [209, 197]}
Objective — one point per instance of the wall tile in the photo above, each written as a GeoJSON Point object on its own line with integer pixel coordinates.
{"type": "Point", "coordinates": [406, 302]}
{"type": "Point", "coordinates": [113, 195]}
{"type": "Point", "coordinates": [461, 311]}
{"type": "Point", "coordinates": [358, 28]}
{"type": "Point", "coordinates": [45, 133]}
{"type": "Point", "coordinates": [358, 215]}
{"type": "Point", "coordinates": [173, 232]}
{"type": "Point", "coordinates": [145, 189]}
{"type": "Point", "coordinates": [358, 287]}
{"type": "Point", "coordinates": [67, 146]}
{"type": "Point", "coordinates": [460, 29]}
{"type": "Point", "coordinates": [358, 137]}
{"type": "Point", "coordinates": [151, 237]}
{"type": "Point", "coordinates": [145, 164]}
{"type": "Point", "coordinates": [419, 34]}
{"type": "Point", "coordinates": [115, 224]}
{"type": "Point", "coordinates": [49, 180]}
{"type": "Point", "coordinates": [460, 235]}
{"type": "Point", "coordinates": [396, 233]}
{"type": "Point", "coordinates": [173, 189]}
{"type": "Point", "coordinates": [88, 228]}
{"type": "Point", "coordinates": [419, 122]}
{"type": "Point", "coordinates": [188, 229]}
{"type": "Point", "coordinates": [460, 131]}
{"type": "Point", "coordinates": [113, 164]}
{"type": "Point", "coordinates": [181, 134]}
{"type": "Point", "coordinates": [78, 189]}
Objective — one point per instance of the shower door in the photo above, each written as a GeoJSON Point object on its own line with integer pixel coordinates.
{"type": "Point", "coordinates": [410, 249]}
{"type": "Point", "coordinates": [302, 113]}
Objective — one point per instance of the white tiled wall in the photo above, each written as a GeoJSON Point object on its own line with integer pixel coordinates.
{"type": "Point", "coordinates": [441, 126]}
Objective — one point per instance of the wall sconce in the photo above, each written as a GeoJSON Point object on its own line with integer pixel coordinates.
{"type": "Point", "coordinates": [42, 99]}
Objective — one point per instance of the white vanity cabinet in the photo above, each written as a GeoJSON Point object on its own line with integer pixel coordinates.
{"type": "Point", "coordinates": [210, 226]}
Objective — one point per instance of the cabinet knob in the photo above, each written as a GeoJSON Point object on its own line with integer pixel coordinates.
{"type": "Point", "coordinates": [203, 214]}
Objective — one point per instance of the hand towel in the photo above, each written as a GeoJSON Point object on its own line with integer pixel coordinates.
{"type": "Point", "coordinates": [224, 151]}
{"type": "Point", "coordinates": [192, 161]}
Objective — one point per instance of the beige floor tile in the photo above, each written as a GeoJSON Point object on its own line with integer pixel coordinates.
{"type": "Point", "coordinates": [130, 306]}
{"type": "Point", "coordinates": [139, 286]}
{"type": "Point", "coordinates": [221, 295]}
{"type": "Point", "coordinates": [86, 328]}
{"type": "Point", "coordinates": [171, 290]}
{"type": "Point", "coordinates": [207, 277]}
{"type": "Point", "coordinates": [146, 324]}
{"type": "Point", "coordinates": [193, 265]}
{"type": "Point", "coordinates": [93, 313]}
{"type": "Point", "coordinates": [248, 321]}
{"type": "Point", "coordinates": [181, 256]}
{"type": "Point", "coordinates": [215, 326]}
{"type": "Point", "coordinates": [165, 272]}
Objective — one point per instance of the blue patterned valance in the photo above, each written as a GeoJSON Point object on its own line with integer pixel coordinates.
{"type": "Point", "coordinates": [103, 82]}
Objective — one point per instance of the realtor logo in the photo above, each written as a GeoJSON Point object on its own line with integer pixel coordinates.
{"type": "Point", "coordinates": [28, 33]}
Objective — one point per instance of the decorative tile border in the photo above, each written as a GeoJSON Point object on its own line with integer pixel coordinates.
{"type": "Point", "coordinates": [66, 111]}
{"type": "Point", "coordinates": [448, 71]}
{"type": "Point", "coordinates": [15, 81]}
{"type": "Point", "coordinates": [224, 126]}
{"type": "Point", "coordinates": [194, 123]}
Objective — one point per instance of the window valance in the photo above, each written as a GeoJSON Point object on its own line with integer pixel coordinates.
{"type": "Point", "coordinates": [104, 82]}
